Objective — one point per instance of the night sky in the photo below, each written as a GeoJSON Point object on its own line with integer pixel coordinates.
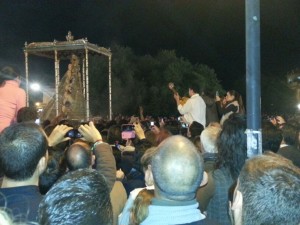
{"type": "Point", "coordinates": [211, 32]}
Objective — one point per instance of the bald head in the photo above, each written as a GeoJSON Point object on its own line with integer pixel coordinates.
{"type": "Point", "coordinates": [78, 156]}
{"type": "Point", "coordinates": [177, 169]}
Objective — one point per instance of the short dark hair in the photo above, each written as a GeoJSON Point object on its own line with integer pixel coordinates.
{"type": "Point", "coordinates": [196, 129]}
{"type": "Point", "coordinates": [270, 188]}
{"type": "Point", "coordinates": [9, 72]}
{"type": "Point", "coordinates": [194, 86]}
{"type": "Point", "coordinates": [114, 134]}
{"type": "Point", "coordinates": [78, 156]}
{"type": "Point", "coordinates": [26, 114]}
{"type": "Point", "coordinates": [22, 145]}
{"type": "Point", "coordinates": [79, 197]}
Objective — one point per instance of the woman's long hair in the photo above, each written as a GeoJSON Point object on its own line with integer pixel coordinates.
{"type": "Point", "coordinates": [232, 145]}
{"type": "Point", "coordinates": [239, 99]}
{"type": "Point", "coordinates": [139, 210]}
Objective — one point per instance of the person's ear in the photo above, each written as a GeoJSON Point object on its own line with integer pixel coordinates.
{"type": "Point", "coordinates": [236, 206]}
{"type": "Point", "coordinates": [149, 176]}
{"type": "Point", "coordinates": [42, 165]}
{"type": "Point", "coordinates": [93, 159]}
{"type": "Point", "coordinates": [204, 179]}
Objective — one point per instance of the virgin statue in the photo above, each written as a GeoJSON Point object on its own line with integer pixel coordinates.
{"type": "Point", "coordinates": [71, 101]}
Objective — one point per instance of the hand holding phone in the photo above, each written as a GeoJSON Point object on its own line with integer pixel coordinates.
{"type": "Point", "coordinates": [128, 131]}
{"type": "Point", "coordinates": [74, 133]}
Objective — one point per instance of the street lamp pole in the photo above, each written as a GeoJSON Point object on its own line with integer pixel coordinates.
{"type": "Point", "coordinates": [253, 82]}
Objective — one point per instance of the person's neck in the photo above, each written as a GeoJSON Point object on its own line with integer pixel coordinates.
{"type": "Point", "coordinates": [9, 183]}
{"type": "Point", "coordinates": [159, 196]}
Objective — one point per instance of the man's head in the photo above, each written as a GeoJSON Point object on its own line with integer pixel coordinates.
{"type": "Point", "coordinates": [193, 89]}
{"type": "Point", "coordinates": [209, 138]}
{"type": "Point", "coordinates": [79, 156]}
{"type": "Point", "coordinates": [27, 114]}
{"type": "Point", "coordinates": [177, 169]}
{"type": "Point", "coordinates": [269, 185]}
{"type": "Point", "coordinates": [9, 73]}
{"type": "Point", "coordinates": [79, 197]}
{"type": "Point", "coordinates": [23, 150]}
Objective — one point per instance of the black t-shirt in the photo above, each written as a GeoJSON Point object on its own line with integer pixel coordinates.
{"type": "Point", "coordinates": [23, 202]}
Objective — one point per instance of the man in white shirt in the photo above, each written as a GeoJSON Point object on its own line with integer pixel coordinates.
{"type": "Point", "coordinates": [194, 110]}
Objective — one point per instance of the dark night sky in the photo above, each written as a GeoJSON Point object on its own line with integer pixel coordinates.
{"type": "Point", "coordinates": [203, 31]}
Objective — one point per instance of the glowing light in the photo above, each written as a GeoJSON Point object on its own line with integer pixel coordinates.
{"type": "Point", "coordinates": [298, 106]}
{"type": "Point", "coordinates": [35, 86]}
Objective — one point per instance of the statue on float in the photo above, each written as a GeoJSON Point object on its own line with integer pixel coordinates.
{"type": "Point", "coordinates": [71, 101]}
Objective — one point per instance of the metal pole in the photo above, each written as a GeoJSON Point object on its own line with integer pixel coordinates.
{"type": "Point", "coordinates": [83, 77]}
{"type": "Point", "coordinates": [87, 84]}
{"type": "Point", "coordinates": [27, 76]}
{"type": "Point", "coordinates": [253, 86]}
{"type": "Point", "coordinates": [56, 65]}
{"type": "Point", "coordinates": [109, 86]}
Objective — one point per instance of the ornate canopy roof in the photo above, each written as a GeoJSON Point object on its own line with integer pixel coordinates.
{"type": "Point", "coordinates": [65, 48]}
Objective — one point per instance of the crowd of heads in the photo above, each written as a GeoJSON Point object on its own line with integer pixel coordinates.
{"type": "Point", "coordinates": [169, 161]}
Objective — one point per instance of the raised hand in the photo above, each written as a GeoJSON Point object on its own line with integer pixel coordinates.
{"type": "Point", "coordinates": [58, 135]}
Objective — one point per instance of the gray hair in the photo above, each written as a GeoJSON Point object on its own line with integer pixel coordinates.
{"type": "Point", "coordinates": [209, 138]}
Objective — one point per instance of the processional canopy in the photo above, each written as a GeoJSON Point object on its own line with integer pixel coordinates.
{"type": "Point", "coordinates": [71, 97]}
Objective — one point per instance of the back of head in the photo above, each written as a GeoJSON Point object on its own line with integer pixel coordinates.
{"type": "Point", "coordinates": [80, 197]}
{"type": "Point", "coordinates": [27, 114]}
{"type": "Point", "coordinates": [270, 188]}
{"type": "Point", "coordinates": [177, 169]}
{"type": "Point", "coordinates": [196, 129]}
{"type": "Point", "coordinates": [114, 134]}
{"type": "Point", "coordinates": [271, 137]}
{"type": "Point", "coordinates": [78, 156]}
{"type": "Point", "coordinates": [9, 73]}
{"type": "Point", "coordinates": [232, 144]}
{"type": "Point", "coordinates": [194, 86]}
{"type": "Point", "coordinates": [209, 138]}
{"type": "Point", "coordinates": [22, 145]}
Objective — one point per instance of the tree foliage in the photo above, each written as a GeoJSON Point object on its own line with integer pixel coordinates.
{"type": "Point", "coordinates": [143, 81]}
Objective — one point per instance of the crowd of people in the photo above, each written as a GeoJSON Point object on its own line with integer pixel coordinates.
{"type": "Point", "coordinates": [132, 171]}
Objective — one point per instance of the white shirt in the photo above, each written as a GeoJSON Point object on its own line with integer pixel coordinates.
{"type": "Point", "coordinates": [194, 110]}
